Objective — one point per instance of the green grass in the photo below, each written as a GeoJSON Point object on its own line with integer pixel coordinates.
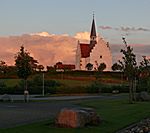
{"type": "Point", "coordinates": [10, 82]}
{"type": "Point", "coordinates": [73, 83]}
{"type": "Point", "coordinates": [116, 114]}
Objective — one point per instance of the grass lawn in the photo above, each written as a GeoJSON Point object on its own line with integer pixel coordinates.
{"type": "Point", "coordinates": [73, 83]}
{"type": "Point", "coordinates": [116, 114]}
{"type": "Point", "coordinates": [10, 82]}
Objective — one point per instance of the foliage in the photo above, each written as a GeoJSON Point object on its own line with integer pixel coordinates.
{"type": "Point", "coordinates": [116, 66]}
{"type": "Point", "coordinates": [3, 67]}
{"type": "Point", "coordinates": [2, 87]}
{"type": "Point", "coordinates": [25, 65]}
{"type": "Point", "coordinates": [94, 87]}
{"type": "Point", "coordinates": [144, 74]}
{"type": "Point", "coordinates": [101, 67]}
{"type": "Point", "coordinates": [22, 62]}
{"type": "Point", "coordinates": [89, 66]}
{"type": "Point", "coordinates": [129, 66]}
{"type": "Point", "coordinates": [35, 85]}
{"type": "Point", "coordinates": [40, 67]}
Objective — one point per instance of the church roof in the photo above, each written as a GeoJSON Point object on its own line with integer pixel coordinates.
{"type": "Point", "coordinates": [85, 50]}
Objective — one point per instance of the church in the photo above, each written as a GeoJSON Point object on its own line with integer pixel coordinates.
{"type": "Point", "coordinates": [95, 52]}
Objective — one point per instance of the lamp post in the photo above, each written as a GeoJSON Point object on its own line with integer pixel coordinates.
{"type": "Point", "coordinates": [43, 85]}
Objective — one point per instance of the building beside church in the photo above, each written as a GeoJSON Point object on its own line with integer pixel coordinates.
{"type": "Point", "coordinates": [97, 51]}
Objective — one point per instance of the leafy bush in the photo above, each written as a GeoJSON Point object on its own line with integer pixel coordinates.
{"type": "Point", "coordinates": [143, 85]}
{"type": "Point", "coordinates": [2, 87]}
{"type": "Point", "coordinates": [35, 86]}
{"type": "Point", "coordinates": [95, 87]}
{"type": "Point", "coordinates": [63, 89]}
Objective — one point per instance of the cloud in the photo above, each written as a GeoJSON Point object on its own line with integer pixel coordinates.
{"type": "Point", "coordinates": [44, 34]}
{"type": "Point", "coordinates": [105, 27]}
{"type": "Point", "coordinates": [139, 50]}
{"type": "Point", "coordinates": [46, 48]}
{"type": "Point", "coordinates": [82, 36]}
{"type": "Point", "coordinates": [125, 29]}
{"type": "Point", "coordinates": [49, 48]}
{"type": "Point", "coordinates": [129, 29]}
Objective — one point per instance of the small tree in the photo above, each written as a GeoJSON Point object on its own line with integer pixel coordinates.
{"type": "Point", "coordinates": [40, 68]}
{"type": "Point", "coordinates": [89, 66]}
{"type": "Point", "coordinates": [145, 66]}
{"type": "Point", "coordinates": [116, 67]}
{"type": "Point", "coordinates": [34, 64]}
{"type": "Point", "coordinates": [129, 67]}
{"type": "Point", "coordinates": [102, 67]}
{"type": "Point", "coordinates": [23, 63]}
{"type": "Point", "coordinates": [144, 73]}
{"type": "Point", "coordinates": [3, 67]}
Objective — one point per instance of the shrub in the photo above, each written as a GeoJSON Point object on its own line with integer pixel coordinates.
{"type": "Point", "coordinates": [35, 85]}
{"type": "Point", "coordinates": [63, 89]}
{"type": "Point", "coordinates": [2, 87]}
{"type": "Point", "coordinates": [95, 87]}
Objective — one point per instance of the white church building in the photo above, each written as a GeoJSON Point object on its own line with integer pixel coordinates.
{"type": "Point", "coordinates": [97, 51]}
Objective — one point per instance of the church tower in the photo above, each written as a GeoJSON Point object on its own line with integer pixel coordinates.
{"type": "Point", "coordinates": [93, 35]}
{"type": "Point", "coordinates": [97, 51]}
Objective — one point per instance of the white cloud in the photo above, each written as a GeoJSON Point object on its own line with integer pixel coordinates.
{"type": "Point", "coordinates": [44, 34]}
{"type": "Point", "coordinates": [83, 36]}
{"type": "Point", "coordinates": [49, 48]}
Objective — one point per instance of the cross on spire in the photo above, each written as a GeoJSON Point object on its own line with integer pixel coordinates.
{"type": "Point", "coordinates": [93, 14]}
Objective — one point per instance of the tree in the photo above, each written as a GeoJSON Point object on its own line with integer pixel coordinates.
{"type": "Point", "coordinates": [144, 74]}
{"type": "Point", "coordinates": [89, 66]}
{"type": "Point", "coordinates": [24, 65]}
{"type": "Point", "coordinates": [40, 67]}
{"type": "Point", "coordinates": [116, 67]}
{"type": "Point", "coordinates": [145, 67]}
{"type": "Point", "coordinates": [102, 67]}
{"type": "Point", "coordinates": [33, 63]}
{"type": "Point", "coordinates": [3, 67]}
{"type": "Point", "coordinates": [129, 66]}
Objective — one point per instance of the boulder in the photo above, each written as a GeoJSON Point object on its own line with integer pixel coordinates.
{"type": "Point", "coordinates": [6, 98]}
{"type": "Point", "coordinates": [76, 117]}
{"type": "Point", "coordinates": [115, 91]}
{"type": "Point", "coordinates": [143, 96]}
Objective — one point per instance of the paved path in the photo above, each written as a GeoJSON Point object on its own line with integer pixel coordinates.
{"type": "Point", "coordinates": [34, 97]}
{"type": "Point", "coordinates": [13, 114]}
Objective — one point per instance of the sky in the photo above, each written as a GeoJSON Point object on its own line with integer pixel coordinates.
{"type": "Point", "coordinates": [71, 16]}
{"type": "Point", "coordinates": [114, 19]}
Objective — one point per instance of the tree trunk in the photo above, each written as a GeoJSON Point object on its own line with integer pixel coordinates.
{"type": "Point", "coordinates": [25, 91]}
{"type": "Point", "coordinates": [134, 89]}
{"type": "Point", "coordinates": [130, 91]}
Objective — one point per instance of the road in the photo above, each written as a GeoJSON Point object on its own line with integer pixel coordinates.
{"type": "Point", "coordinates": [37, 98]}
{"type": "Point", "coordinates": [18, 113]}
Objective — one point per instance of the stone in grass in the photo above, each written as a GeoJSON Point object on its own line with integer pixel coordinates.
{"type": "Point", "coordinates": [6, 98]}
{"type": "Point", "coordinates": [76, 117]}
{"type": "Point", "coordinates": [115, 91]}
{"type": "Point", "coordinates": [143, 96]}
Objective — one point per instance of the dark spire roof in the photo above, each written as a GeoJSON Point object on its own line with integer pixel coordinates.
{"type": "Point", "coordinates": [93, 30]}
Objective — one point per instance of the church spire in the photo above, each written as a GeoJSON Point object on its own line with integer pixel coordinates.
{"type": "Point", "coordinates": [93, 34]}
{"type": "Point", "coordinates": [93, 30]}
